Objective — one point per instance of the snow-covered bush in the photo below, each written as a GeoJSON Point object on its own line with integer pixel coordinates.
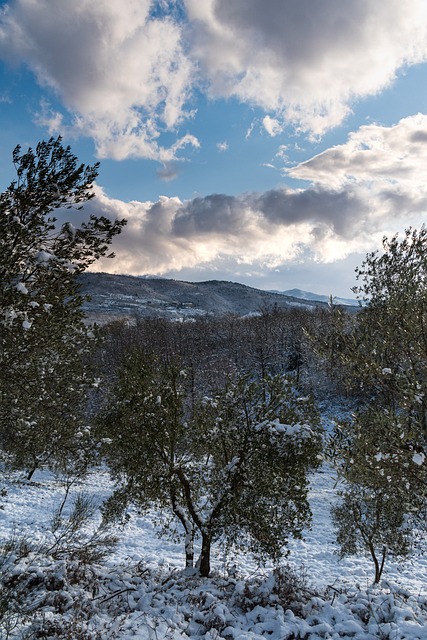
{"type": "Point", "coordinates": [284, 586]}
{"type": "Point", "coordinates": [48, 587]}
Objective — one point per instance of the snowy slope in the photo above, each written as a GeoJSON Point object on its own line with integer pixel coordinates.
{"type": "Point", "coordinates": [141, 591]}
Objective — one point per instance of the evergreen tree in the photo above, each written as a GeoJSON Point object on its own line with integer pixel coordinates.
{"type": "Point", "coordinates": [43, 341]}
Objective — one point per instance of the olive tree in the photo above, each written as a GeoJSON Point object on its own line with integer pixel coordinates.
{"type": "Point", "coordinates": [381, 452]}
{"type": "Point", "coordinates": [44, 343]}
{"type": "Point", "coordinates": [380, 503]}
{"type": "Point", "coordinates": [232, 466]}
{"type": "Point", "coordinates": [372, 519]}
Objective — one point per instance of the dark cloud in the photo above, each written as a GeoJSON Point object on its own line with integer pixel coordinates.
{"type": "Point", "coordinates": [125, 71]}
{"type": "Point", "coordinates": [216, 213]}
{"type": "Point", "coordinates": [305, 60]}
{"type": "Point", "coordinates": [295, 30]}
{"type": "Point", "coordinates": [257, 231]}
{"type": "Point", "coordinates": [223, 214]}
{"type": "Point", "coordinates": [419, 136]}
{"type": "Point", "coordinates": [401, 204]}
{"type": "Point", "coordinates": [340, 210]}
{"type": "Point", "coordinates": [370, 186]}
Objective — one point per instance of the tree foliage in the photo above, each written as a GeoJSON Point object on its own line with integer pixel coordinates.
{"type": "Point", "coordinates": [381, 452]}
{"type": "Point", "coordinates": [43, 341]}
{"type": "Point", "coordinates": [232, 466]}
{"type": "Point", "coordinates": [372, 519]}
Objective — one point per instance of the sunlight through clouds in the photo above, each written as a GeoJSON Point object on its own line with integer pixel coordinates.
{"type": "Point", "coordinates": [374, 182]}
{"type": "Point", "coordinates": [232, 132]}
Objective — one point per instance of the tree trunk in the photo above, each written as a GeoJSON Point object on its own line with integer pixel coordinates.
{"type": "Point", "coordinates": [204, 562]}
{"type": "Point", "coordinates": [188, 528]}
{"type": "Point", "coordinates": [379, 572]}
{"type": "Point", "coordinates": [379, 566]}
{"type": "Point", "coordinates": [189, 549]}
{"type": "Point", "coordinates": [32, 471]}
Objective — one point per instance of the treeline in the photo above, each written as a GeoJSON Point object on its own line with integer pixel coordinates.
{"type": "Point", "coordinates": [272, 341]}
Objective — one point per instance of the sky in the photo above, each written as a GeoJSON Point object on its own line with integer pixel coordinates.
{"type": "Point", "coordinates": [268, 142]}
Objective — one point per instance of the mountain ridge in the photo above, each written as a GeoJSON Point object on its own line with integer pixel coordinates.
{"type": "Point", "coordinates": [308, 295]}
{"type": "Point", "coordinates": [115, 296]}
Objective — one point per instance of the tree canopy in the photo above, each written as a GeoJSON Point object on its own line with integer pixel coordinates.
{"type": "Point", "coordinates": [43, 340]}
{"type": "Point", "coordinates": [231, 466]}
{"type": "Point", "coordinates": [381, 452]}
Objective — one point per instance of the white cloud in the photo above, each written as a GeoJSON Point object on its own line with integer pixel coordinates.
{"type": "Point", "coordinates": [380, 159]}
{"type": "Point", "coordinates": [282, 153]}
{"type": "Point", "coordinates": [306, 61]}
{"type": "Point", "coordinates": [371, 186]}
{"type": "Point", "coordinates": [125, 74]}
{"type": "Point", "coordinates": [268, 165]}
{"type": "Point", "coordinates": [122, 74]}
{"type": "Point", "coordinates": [263, 231]}
{"type": "Point", "coordinates": [222, 146]}
{"type": "Point", "coordinates": [383, 168]}
{"type": "Point", "coordinates": [272, 126]}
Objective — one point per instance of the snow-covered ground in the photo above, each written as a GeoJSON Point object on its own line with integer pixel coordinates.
{"type": "Point", "coordinates": [141, 590]}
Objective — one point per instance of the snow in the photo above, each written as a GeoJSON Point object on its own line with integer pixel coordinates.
{"type": "Point", "coordinates": [418, 458]}
{"type": "Point", "coordinates": [143, 591]}
{"type": "Point", "coordinates": [276, 427]}
{"type": "Point", "coordinates": [21, 288]}
{"type": "Point", "coordinates": [43, 257]}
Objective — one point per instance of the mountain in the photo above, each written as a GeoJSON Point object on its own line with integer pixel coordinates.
{"type": "Point", "coordinates": [313, 297]}
{"type": "Point", "coordinates": [115, 296]}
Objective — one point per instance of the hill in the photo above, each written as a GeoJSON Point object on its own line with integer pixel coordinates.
{"type": "Point", "coordinates": [308, 295]}
{"type": "Point", "coordinates": [126, 296]}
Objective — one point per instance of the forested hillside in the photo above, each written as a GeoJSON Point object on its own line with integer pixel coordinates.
{"type": "Point", "coordinates": [117, 296]}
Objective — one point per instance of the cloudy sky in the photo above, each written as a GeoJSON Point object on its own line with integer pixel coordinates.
{"type": "Point", "coordinates": [268, 142]}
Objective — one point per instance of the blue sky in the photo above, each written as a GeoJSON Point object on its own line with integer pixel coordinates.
{"type": "Point", "coordinates": [271, 143]}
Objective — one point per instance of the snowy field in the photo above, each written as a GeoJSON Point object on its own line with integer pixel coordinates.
{"type": "Point", "coordinates": [141, 590]}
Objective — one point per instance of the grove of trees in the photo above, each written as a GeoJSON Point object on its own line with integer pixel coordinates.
{"type": "Point", "coordinates": [212, 421]}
